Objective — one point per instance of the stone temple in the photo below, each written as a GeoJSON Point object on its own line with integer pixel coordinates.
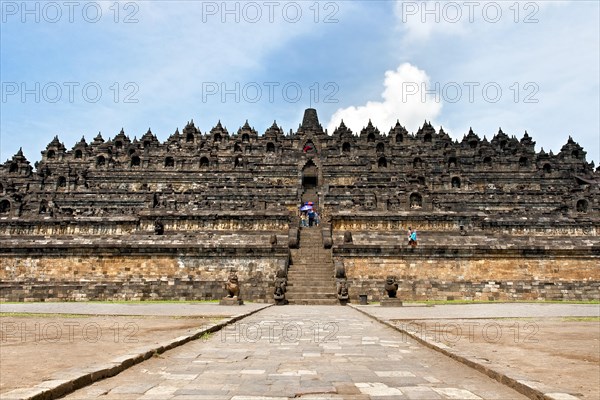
{"type": "Point", "coordinates": [139, 219]}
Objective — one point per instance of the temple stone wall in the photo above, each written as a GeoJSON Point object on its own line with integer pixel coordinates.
{"type": "Point", "coordinates": [78, 277]}
{"type": "Point", "coordinates": [463, 277]}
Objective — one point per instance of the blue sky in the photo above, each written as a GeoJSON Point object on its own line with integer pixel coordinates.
{"type": "Point", "coordinates": [76, 69]}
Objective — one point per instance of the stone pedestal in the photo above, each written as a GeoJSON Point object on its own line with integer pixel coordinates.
{"type": "Point", "coordinates": [394, 302]}
{"type": "Point", "coordinates": [231, 301]}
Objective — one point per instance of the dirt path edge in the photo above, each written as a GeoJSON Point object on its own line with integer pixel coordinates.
{"type": "Point", "coordinates": [531, 389]}
{"type": "Point", "coordinates": [55, 388]}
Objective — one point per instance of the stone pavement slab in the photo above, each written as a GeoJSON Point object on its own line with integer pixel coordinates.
{"type": "Point", "coordinates": [319, 352]}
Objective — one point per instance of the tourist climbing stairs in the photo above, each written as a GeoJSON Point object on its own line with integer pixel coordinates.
{"type": "Point", "coordinates": [311, 272]}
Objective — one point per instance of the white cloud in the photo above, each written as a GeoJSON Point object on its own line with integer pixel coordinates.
{"type": "Point", "coordinates": [402, 101]}
{"type": "Point", "coordinates": [517, 57]}
{"type": "Point", "coordinates": [421, 20]}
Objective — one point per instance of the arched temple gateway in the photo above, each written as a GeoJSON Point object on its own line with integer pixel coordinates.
{"type": "Point", "coordinates": [140, 219]}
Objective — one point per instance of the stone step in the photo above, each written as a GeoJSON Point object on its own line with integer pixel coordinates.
{"type": "Point", "coordinates": [312, 263]}
{"type": "Point", "coordinates": [321, 261]}
{"type": "Point", "coordinates": [310, 245]}
{"type": "Point", "coordinates": [310, 252]}
{"type": "Point", "coordinates": [308, 274]}
{"type": "Point", "coordinates": [315, 294]}
{"type": "Point", "coordinates": [305, 281]}
{"type": "Point", "coordinates": [312, 283]}
{"type": "Point", "coordinates": [311, 289]}
{"type": "Point", "coordinates": [320, 302]}
{"type": "Point", "coordinates": [307, 252]}
{"type": "Point", "coordinates": [310, 295]}
{"type": "Point", "coordinates": [299, 281]}
{"type": "Point", "coordinates": [310, 271]}
{"type": "Point", "coordinates": [315, 302]}
{"type": "Point", "coordinates": [307, 270]}
{"type": "Point", "coordinates": [308, 279]}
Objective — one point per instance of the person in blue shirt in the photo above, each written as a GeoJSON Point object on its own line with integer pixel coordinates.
{"type": "Point", "coordinates": [412, 237]}
{"type": "Point", "coordinates": [311, 217]}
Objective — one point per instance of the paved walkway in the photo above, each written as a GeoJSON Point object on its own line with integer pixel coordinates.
{"type": "Point", "coordinates": [324, 352]}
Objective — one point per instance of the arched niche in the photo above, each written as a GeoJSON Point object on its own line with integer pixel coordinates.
{"type": "Point", "coordinates": [582, 206]}
{"type": "Point", "coordinates": [204, 163]}
{"type": "Point", "coordinates": [310, 175]}
{"type": "Point", "coordinates": [135, 161]}
{"type": "Point", "coordinates": [4, 206]}
{"type": "Point", "coordinates": [415, 201]}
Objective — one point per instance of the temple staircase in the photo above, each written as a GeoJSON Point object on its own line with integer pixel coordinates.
{"type": "Point", "coordinates": [310, 194]}
{"type": "Point", "coordinates": [310, 273]}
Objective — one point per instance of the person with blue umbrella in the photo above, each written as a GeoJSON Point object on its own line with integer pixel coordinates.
{"type": "Point", "coordinates": [304, 221]}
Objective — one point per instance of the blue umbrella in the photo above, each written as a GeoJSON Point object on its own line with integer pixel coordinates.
{"type": "Point", "coordinates": [305, 208]}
